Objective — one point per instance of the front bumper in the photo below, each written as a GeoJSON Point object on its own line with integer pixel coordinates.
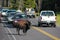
{"type": "Point", "coordinates": [4, 15]}
{"type": "Point", "coordinates": [47, 22]}
{"type": "Point", "coordinates": [10, 21]}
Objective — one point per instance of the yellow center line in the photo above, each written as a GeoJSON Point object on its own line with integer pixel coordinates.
{"type": "Point", "coordinates": [46, 33]}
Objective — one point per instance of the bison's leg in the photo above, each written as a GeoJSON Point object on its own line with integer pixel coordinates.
{"type": "Point", "coordinates": [18, 29]}
{"type": "Point", "coordinates": [0, 20]}
{"type": "Point", "coordinates": [29, 23]}
{"type": "Point", "coordinates": [24, 29]}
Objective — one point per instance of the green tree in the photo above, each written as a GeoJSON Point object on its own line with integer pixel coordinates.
{"type": "Point", "coordinates": [21, 4]}
{"type": "Point", "coordinates": [48, 4]}
{"type": "Point", "coordinates": [14, 4]}
{"type": "Point", "coordinates": [29, 3]}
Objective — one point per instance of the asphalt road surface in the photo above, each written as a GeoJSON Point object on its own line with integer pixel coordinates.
{"type": "Point", "coordinates": [3, 33]}
{"type": "Point", "coordinates": [7, 32]}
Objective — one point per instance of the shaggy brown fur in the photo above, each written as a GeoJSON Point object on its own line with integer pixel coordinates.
{"type": "Point", "coordinates": [22, 24]}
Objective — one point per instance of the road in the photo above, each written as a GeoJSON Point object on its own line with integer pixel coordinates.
{"type": "Point", "coordinates": [3, 33]}
{"type": "Point", "coordinates": [35, 33]}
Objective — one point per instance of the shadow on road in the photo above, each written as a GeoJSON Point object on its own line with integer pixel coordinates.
{"type": "Point", "coordinates": [16, 34]}
{"type": "Point", "coordinates": [45, 26]}
{"type": "Point", "coordinates": [5, 24]}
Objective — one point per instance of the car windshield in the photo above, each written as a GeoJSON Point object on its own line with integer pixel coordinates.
{"type": "Point", "coordinates": [47, 14]}
{"type": "Point", "coordinates": [32, 9]}
{"type": "Point", "coordinates": [11, 11]}
{"type": "Point", "coordinates": [20, 16]}
{"type": "Point", "coordinates": [11, 14]}
{"type": "Point", "coordinates": [4, 10]}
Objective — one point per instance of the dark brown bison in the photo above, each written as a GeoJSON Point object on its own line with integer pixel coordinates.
{"type": "Point", "coordinates": [21, 24]}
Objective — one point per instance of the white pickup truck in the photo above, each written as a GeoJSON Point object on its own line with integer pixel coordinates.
{"type": "Point", "coordinates": [47, 17]}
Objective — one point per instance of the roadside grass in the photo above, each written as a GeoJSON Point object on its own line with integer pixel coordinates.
{"type": "Point", "coordinates": [36, 14]}
{"type": "Point", "coordinates": [58, 19]}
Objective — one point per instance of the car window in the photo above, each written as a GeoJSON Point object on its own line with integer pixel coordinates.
{"type": "Point", "coordinates": [11, 14]}
{"type": "Point", "coordinates": [11, 11]}
{"type": "Point", "coordinates": [4, 10]}
{"type": "Point", "coordinates": [47, 14]}
{"type": "Point", "coordinates": [32, 9]}
{"type": "Point", "coordinates": [19, 16]}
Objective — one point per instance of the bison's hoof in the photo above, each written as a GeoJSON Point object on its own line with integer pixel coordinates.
{"type": "Point", "coordinates": [25, 33]}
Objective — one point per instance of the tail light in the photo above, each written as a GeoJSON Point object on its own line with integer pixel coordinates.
{"type": "Point", "coordinates": [40, 17]}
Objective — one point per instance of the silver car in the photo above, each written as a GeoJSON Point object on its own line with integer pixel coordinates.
{"type": "Point", "coordinates": [10, 14]}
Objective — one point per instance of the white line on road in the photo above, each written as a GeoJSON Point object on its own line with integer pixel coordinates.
{"type": "Point", "coordinates": [6, 31]}
{"type": "Point", "coordinates": [10, 32]}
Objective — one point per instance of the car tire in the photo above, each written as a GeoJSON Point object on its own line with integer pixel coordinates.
{"type": "Point", "coordinates": [33, 16]}
{"type": "Point", "coordinates": [9, 22]}
{"type": "Point", "coordinates": [54, 25]}
{"type": "Point", "coordinates": [39, 24]}
{"type": "Point", "coordinates": [0, 20]}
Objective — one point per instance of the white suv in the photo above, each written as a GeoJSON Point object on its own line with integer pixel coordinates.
{"type": "Point", "coordinates": [47, 17]}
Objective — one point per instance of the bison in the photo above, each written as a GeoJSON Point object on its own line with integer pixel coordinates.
{"type": "Point", "coordinates": [22, 24]}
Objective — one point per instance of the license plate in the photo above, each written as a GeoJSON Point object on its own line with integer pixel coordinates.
{"type": "Point", "coordinates": [48, 21]}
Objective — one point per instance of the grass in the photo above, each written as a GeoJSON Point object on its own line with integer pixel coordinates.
{"type": "Point", "coordinates": [58, 19]}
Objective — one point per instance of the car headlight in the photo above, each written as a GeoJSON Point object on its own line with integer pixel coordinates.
{"type": "Point", "coordinates": [10, 19]}
{"type": "Point", "coordinates": [3, 13]}
{"type": "Point", "coordinates": [15, 21]}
